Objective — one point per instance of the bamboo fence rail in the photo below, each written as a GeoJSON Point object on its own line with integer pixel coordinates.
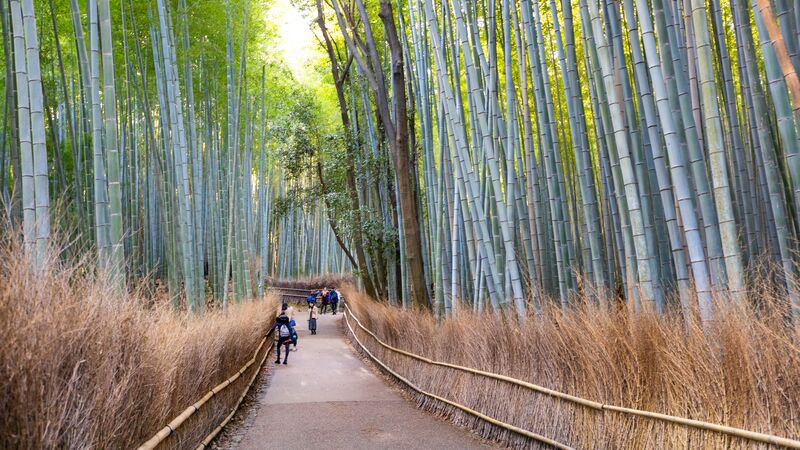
{"type": "Point", "coordinates": [731, 431]}
{"type": "Point", "coordinates": [168, 429]}
{"type": "Point", "coordinates": [227, 419]}
{"type": "Point", "coordinates": [466, 409]}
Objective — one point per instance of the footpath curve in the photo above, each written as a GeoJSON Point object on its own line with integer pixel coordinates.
{"type": "Point", "coordinates": [326, 398]}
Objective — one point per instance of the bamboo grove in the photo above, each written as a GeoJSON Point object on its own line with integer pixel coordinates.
{"type": "Point", "coordinates": [488, 154]}
{"type": "Point", "coordinates": [154, 157]}
{"type": "Point", "coordinates": [568, 149]}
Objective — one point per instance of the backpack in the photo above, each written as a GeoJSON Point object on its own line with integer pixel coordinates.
{"type": "Point", "coordinates": [284, 331]}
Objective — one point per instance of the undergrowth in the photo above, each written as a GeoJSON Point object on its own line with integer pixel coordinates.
{"type": "Point", "coordinates": [333, 280]}
{"type": "Point", "coordinates": [82, 366]}
{"type": "Point", "coordinates": [742, 370]}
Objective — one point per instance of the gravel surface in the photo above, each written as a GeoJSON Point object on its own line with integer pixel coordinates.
{"type": "Point", "coordinates": [326, 398]}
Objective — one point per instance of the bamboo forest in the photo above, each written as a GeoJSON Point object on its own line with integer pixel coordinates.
{"type": "Point", "coordinates": [553, 223]}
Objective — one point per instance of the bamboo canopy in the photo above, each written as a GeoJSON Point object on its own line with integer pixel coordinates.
{"type": "Point", "coordinates": [456, 154]}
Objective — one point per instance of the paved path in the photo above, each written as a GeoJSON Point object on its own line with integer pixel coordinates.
{"type": "Point", "coordinates": [325, 398]}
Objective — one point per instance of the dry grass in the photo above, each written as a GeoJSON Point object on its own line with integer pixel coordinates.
{"type": "Point", "coordinates": [316, 282]}
{"type": "Point", "coordinates": [81, 367]}
{"type": "Point", "coordinates": [743, 371]}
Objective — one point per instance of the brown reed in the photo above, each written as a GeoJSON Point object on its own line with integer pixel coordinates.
{"type": "Point", "coordinates": [313, 282]}
{"type": "Point", "coordinates": [84, 367]}
{"type": "Point", "coordinates": [743, 370]}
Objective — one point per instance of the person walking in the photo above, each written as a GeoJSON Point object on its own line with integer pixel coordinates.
{"type": "Point", "coordinates": [334, 299]}
{"type": "Point", "coordinates": [325, 300]}
{"type": "Point", "coordinates": [284, 334]}
{"type": "Point", "coordinates": [312, 319]}
{"type": "Point", "coordinates": [289, 311]}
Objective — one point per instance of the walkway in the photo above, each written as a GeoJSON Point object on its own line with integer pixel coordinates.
{"type": "Point", "coordinates": [325, 398]}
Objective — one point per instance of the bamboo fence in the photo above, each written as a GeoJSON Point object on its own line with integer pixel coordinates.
{"type": "Point", "coordinates": [171, 427]}
{"type": "Point", "coordinates": [698, 424]}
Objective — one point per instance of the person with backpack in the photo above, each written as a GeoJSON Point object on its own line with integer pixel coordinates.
{"type": "Point", "coordinates": [333, 297]}
{"type": "Point", "coordinates": [312, 318]}
{"type": "Point", "coordinates": [284, 334]}
{"type": "Point", "coordinates": [312, 299]}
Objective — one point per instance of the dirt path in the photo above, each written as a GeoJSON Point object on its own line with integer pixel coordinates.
{"type": "Point", "coordinates": [325, 398]}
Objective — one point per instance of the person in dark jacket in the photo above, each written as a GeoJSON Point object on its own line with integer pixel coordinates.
{"type": "Point", "coordinates": [333, 297]}
{"type": "Point", "coordinates": [284, 334]}
{"type": "Point", "coordinates": [312, 299]}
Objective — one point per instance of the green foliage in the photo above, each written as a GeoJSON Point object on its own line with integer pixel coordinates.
{"type": "Point", "coordinates": [296, 135]}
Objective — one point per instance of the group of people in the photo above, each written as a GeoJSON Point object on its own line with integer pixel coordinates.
{"type": "Point", "coordinates": [329, 297]}
{"type": "Point", "coordinates": [285, 324]}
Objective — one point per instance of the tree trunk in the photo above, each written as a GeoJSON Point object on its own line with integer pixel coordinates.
{"type": "Point", "coordinates": [338, 80]}
{"type": "Point", "coordinates": [403, 163]}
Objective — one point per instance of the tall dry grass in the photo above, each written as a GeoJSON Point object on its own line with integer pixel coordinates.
{"type": "Point", "coordinates": [742, 371]}
{"type": "Point", "coordinates": [81, 367]}
{"type": "Point", "coordinates": [313, 282]}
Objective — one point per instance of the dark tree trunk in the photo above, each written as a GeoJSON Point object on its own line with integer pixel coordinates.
{"type": "Point", "coordinates": [339, 79]}
{"type": "Point", "coordinates": [403, 166]}
{"type": "Point", "coordinates": [331, 221]}
{"type": "Point", "coordinates": [368, 61]}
